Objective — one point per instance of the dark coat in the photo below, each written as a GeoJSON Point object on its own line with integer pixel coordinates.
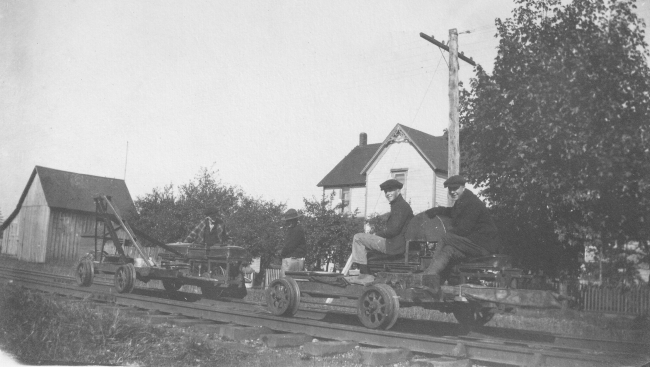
{"type": "Point", "coordinates": [400, 215]}
{"type": "Point", "coordinates": [295, 244]}
{"type": "Point", "coordinates": [471, 219]}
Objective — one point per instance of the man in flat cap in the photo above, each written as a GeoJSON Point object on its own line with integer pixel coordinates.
{"type": "Point", "coordinates": [472, 231]}
{"type": "Point", "coordinates": [295, 245]}
{"type": "Point", "coordinates": [210, 231]}
{"type": "Point", "coordinates": [389, 241]}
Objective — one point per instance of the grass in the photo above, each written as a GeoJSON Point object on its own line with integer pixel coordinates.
{"type": "Point", "coordinates": [35, 329]}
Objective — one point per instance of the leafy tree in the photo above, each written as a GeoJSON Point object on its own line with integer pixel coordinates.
{"type": "Point", "coordinates": [252, 223]}
{"type": "Point", "coordinates": [257, 226]}
{"type": "Point", "coordinates": [558, 134]}
{"type": "Point", "coordinates": [329, 232]}
{"type": "Point", "coordinates": [169, 217]}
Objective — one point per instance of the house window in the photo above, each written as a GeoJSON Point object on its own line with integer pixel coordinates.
{"type": "Point", "coordinates": [345, 199]}
{"type": "Point", "coordinates": [400, 175]}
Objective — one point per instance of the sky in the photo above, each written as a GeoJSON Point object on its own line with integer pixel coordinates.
{"type": "Point", "coordinates": [271, 95]}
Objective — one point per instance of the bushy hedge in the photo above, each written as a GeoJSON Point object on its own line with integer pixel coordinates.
{"type": "Point", "coordinates": [169, 215]}
{"type": "Point", "coordinates": [329, 233]}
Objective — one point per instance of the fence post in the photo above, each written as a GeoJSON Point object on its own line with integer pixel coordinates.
{"type": "Point", "coordinates": [564, 291]}
{"type": "Point", "coordinates": [271, 275]}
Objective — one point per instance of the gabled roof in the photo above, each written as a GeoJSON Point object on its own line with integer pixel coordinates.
{"type": "Point", "coordinates": [76, 191]}
{"type": "Point", "coordinates": [351, 171]}
{"type": "Point", "coordinates": [433, 149]}
{"type": "Point", "coordinates": [348, 171]}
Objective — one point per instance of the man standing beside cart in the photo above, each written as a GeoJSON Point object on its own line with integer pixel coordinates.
{"type": "Point", "coordinates": [295, 246]}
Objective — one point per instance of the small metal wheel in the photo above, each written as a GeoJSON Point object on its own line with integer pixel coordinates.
{"type": "Point", "coordinates": [471, 316]}
{"type": "Point", "coordinates": [172, 285]}
{"type": "Point", "coordinates": [283, 297]}
{"type": "Point", "coordinates": [125, 278]}
{"type": "Point", "coordinates": [378, 307]}
{"type": "Point", "coordinates": [85, 272]}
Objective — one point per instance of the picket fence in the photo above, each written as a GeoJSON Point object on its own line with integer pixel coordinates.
{"type": "Point", "coordinates": [271, 275]}
{"type": "Point", "coordinates": [631, 300]}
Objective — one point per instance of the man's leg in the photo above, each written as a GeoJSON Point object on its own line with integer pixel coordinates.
{"type": "Point", "coordinates": [440, 258]}
{"type": "Point", "coordinates": [453, 246]}
{"type": "Point", "coordinates": [362, 242]}
{"type": "Point", "coordinates": [464, 245]}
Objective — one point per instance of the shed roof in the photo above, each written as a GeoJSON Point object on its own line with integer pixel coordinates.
{"type": "Point", "coordinates": [76, 191]}
{"type": "Point", "coordinates": [348, 171]}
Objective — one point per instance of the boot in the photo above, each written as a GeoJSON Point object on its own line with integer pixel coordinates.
{"type": "Point", "coordinates": [431, 282]}
{"type": "Point", "coordinates": [364, 274]}
{"type": "Point", "coordinates": [440, 260]}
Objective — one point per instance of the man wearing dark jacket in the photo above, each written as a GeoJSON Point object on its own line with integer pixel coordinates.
{"type": "Point", "coordinates": [389, 241]}
{"type": "Point", "coordinates": [472, 232]}
{"type": "Point", "coordinates": [295, 246]}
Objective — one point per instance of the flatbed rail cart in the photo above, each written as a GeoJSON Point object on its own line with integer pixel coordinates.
{"type": "Point", "coordinates": [218, 271]}
{"type": "Point", "coordinates": [474, 292]}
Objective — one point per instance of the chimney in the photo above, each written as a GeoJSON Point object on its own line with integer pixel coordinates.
{"type": "Point", "coordinates": [363, 139]}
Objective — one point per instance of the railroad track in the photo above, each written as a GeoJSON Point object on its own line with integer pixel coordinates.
{"type": "Point", "coordinates": [553, 350]}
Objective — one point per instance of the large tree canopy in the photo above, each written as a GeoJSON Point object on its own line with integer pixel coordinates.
{"type": "Point", "coordinates": [558, 134]}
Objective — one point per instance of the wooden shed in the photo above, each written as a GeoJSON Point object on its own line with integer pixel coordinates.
{"type": "Point", "coordinates": [55, 211]}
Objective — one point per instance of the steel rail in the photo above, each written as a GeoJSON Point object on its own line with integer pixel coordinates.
{"type": "Point", "coordinates": [487, 351]}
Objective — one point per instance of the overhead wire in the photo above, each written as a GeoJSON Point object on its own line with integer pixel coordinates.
{"type": "Point", "coordinates": [443, 56]}
{"type": "Point", "coordinates": [381, 77]}
{"type": "Point", "coordinates": [386, 62]}
{"type": "Point", "coordinates": [386, 69]}
{"type": "Point", "coordinates": [379, 81]}
{"type": "Point", "coordinates": [427, 91]}
{"type": "Point", "coordinates": [372, 75]}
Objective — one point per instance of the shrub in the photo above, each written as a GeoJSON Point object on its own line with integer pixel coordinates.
{"type": "Point", "coordinates": [329, 232]}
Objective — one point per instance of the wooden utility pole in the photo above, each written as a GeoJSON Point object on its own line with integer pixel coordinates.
{"type": "Point", "coordinates": [453, 160]}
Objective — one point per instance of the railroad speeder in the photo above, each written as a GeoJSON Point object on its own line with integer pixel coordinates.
{"type": "Point", "coordinates": [473, 291]}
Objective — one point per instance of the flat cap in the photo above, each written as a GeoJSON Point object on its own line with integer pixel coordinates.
{"type": "Point", "coordinates": [211, 210]}
{"type": "Point", "coordinates": [453, 181]}
{"type": "Point", "coordinates": [391, 184]}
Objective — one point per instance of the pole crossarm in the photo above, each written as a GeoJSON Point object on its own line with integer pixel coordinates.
{"type": "Point", "coordinates": [446, 48]}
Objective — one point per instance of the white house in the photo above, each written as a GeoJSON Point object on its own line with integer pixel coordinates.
{"type": "Point", "coordinates": [416, 159]}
